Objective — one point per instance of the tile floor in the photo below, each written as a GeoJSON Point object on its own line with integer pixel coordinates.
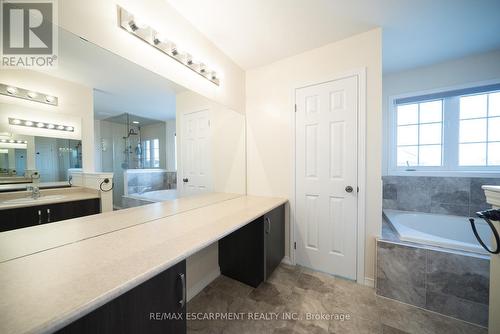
{"type": "Point", "coordinates": [298, 291]}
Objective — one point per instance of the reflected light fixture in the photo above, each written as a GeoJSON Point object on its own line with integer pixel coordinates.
{"type": "Point", "coordinates": [40, 125]}
{"type": "Point", "coordinates": [130, 23]}
{"type": "Point", "coordinates": [26, 94]}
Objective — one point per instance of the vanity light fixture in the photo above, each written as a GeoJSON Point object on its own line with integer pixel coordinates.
{"type": "Point", "coordinates": [32, 95]}
{"type": "Point", "coordinates": [28, 94]}
{"type": "Point", "coordinates": [11, 90]}
{"type": "Point", "coordinates": [41, 125]}
{"type": "Point", "coordinates": [130, 23]}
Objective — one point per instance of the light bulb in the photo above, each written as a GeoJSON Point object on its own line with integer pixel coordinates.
{"type": "Point", "coordinates": [40, 125]}
{"type": "Point", "coordinates": [12, 141]}
{"type": "Point", "coordinates": [158, 38]}
{"type": "Point", "coordinates": [11, 90]}
{"type": "Point", "coordinates": [16, 121]}
{"type": "Point", "coordinates": [32, 95]}
{"type": "Point", "coordinates": [50, 99]}
{"type": "Point", "coordinates": [50, 126]}
{"type": "Point", "coordinates": [69, 128]}
{"type": "Point", "coordinates": [60, 127]}
{"type": "Point", "coordinates": [28, 123]}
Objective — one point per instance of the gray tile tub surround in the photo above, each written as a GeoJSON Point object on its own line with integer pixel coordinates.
{"type": "Point", "coordinates": [461, 196]}
{"type": "Point", "coordinates": [401, 273]}
{"type": "Point", "coordinates": [452, 284]}
{"type": "Point", "coordinates": [149, 181]}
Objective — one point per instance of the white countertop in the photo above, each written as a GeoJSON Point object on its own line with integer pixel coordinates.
{"type": "Point", "coordinates": [492, 195]}
{"type": "Point", "coordinates": [41, 185]}
{"type": "Point", "coordinates": [22, 242]}
{"type": "Point", "coordinates": [491, 188]}
{"type": "Point", "coordinates": [43, 292]}
{"type": "Point", "coordinates": [67, 195]}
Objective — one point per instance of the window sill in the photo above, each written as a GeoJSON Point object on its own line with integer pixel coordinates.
{"type": "Point", "coordinates": [464, 173]}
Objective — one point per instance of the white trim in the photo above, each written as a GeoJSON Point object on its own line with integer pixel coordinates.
{"type": "Point", "coordinates": [287, 260]}
{"type": "Point", "coordinates": [370, 282]}
{"type": "Point", "coordinates": [444, 173]}
{"type": "Point", "coordinates": [360, 73]}
{"type": "Point", "coordinates": [200, 285]}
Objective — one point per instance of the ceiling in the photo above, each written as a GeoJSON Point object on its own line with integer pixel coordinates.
{"type": "Point", "coordinates": [415, 32]}
{"type": "Point", "coordinates": [120, 86]}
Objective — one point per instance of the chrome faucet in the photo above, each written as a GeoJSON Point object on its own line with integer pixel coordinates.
{"type": "Point", "coordinates": [35, 191]}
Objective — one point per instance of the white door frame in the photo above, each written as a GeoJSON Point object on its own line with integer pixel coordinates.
{"type": "Point", "coordinates": [361, 173]}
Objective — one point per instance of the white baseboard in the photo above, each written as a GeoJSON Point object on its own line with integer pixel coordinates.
{"type": "Point", "coordinates": [198, 287]}
{"type": "Point", "coordinates": [369, 282]}
{"type": "Point", "coordinates": [286, 260]}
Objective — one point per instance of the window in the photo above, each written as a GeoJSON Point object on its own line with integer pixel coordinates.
{"type": "Point", "coordinates": [151, 153]}
{"type": "Point", "coordinates": [450, 131]}
{"type": "Point", "coordinates": [419, 134]}
{"type": "Point", "coordinates": [479, 140]}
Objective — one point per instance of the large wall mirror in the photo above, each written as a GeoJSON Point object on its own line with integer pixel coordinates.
{"type": "Point", "coordinates": [160, 140]}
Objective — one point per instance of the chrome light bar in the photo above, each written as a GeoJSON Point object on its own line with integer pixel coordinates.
{"type": "Point", "coordinates": [132, 25]}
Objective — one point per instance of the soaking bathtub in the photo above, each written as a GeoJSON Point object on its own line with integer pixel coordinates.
{"type": "Point", "coordinates": [453, 232]}
{"type": "Point", "coordinates": [156, 195]}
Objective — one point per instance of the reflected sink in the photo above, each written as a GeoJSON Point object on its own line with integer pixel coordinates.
{"type": "Point", "coordinates": [29, 200]}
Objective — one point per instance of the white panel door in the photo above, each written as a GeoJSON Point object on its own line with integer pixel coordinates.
{"type": "Point", "coordinates": [326, 176]}
{"type": "Point", "coordinates": [196, 153]}
{"type": "Point", "coordinates": [46, 160]}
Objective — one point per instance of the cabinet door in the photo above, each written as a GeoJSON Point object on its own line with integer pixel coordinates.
{"type": "Point", "coordinates": [274, 227]}
{"type": "Point", "coordinates": [241, 254]}
{"type": "Point", "coordinates": [67, 210]}
{"type": "Point", "coordinates": [12, 219]}
{"type": "Point", "coordinates": [144, 309]}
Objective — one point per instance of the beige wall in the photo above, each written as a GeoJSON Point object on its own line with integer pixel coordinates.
{"type": "Point", "coordinates": [96, 20]}
{"type": "Point", "coordinates": [269, 109]}
{"type": "Point", "coordinates": [75, 108]}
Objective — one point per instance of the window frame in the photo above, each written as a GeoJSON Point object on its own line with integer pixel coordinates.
{"type": "Point", "coordinates": [450, 137]}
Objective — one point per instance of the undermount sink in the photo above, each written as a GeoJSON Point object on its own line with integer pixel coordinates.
{"type": "Point", "coordinates": [27, 200]}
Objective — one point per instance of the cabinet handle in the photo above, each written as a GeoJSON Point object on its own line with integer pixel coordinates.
{"type": "Point", "coordinates": [182, 302]}
{"type": "Point", "coordinates": [39, 217]}
{"type": "Point", "coordinates": [268, 228]}
{"type": "Point", "coordinates": [48, 215]}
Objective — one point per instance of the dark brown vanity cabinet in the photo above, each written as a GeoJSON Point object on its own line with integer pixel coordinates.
{"type": "Point", "coordinates": [155, 306]}
{"type": "Point", "coordinates": [251, 253]}
{"type": "Point", "coordinates": [12, 219]}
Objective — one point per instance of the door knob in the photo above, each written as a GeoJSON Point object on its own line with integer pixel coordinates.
{"type": "Point", "coordinates": [348, 189]}
{"type": "Point", "coordinates": [185, 179]}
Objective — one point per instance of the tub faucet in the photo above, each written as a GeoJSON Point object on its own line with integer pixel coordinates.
{"type": "Point", "coordinates": [35, 191]}
{"type": "Point", "coordinates": [143, 190]}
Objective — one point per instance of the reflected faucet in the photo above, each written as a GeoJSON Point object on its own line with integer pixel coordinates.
{"type": "Point", "coordinates": [35, 191]}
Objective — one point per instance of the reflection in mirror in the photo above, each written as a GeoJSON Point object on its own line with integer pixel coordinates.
{"type": "Point", "coordinates": [55, 156]}
{"type": "Point", "coordinates": [160, 140]}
